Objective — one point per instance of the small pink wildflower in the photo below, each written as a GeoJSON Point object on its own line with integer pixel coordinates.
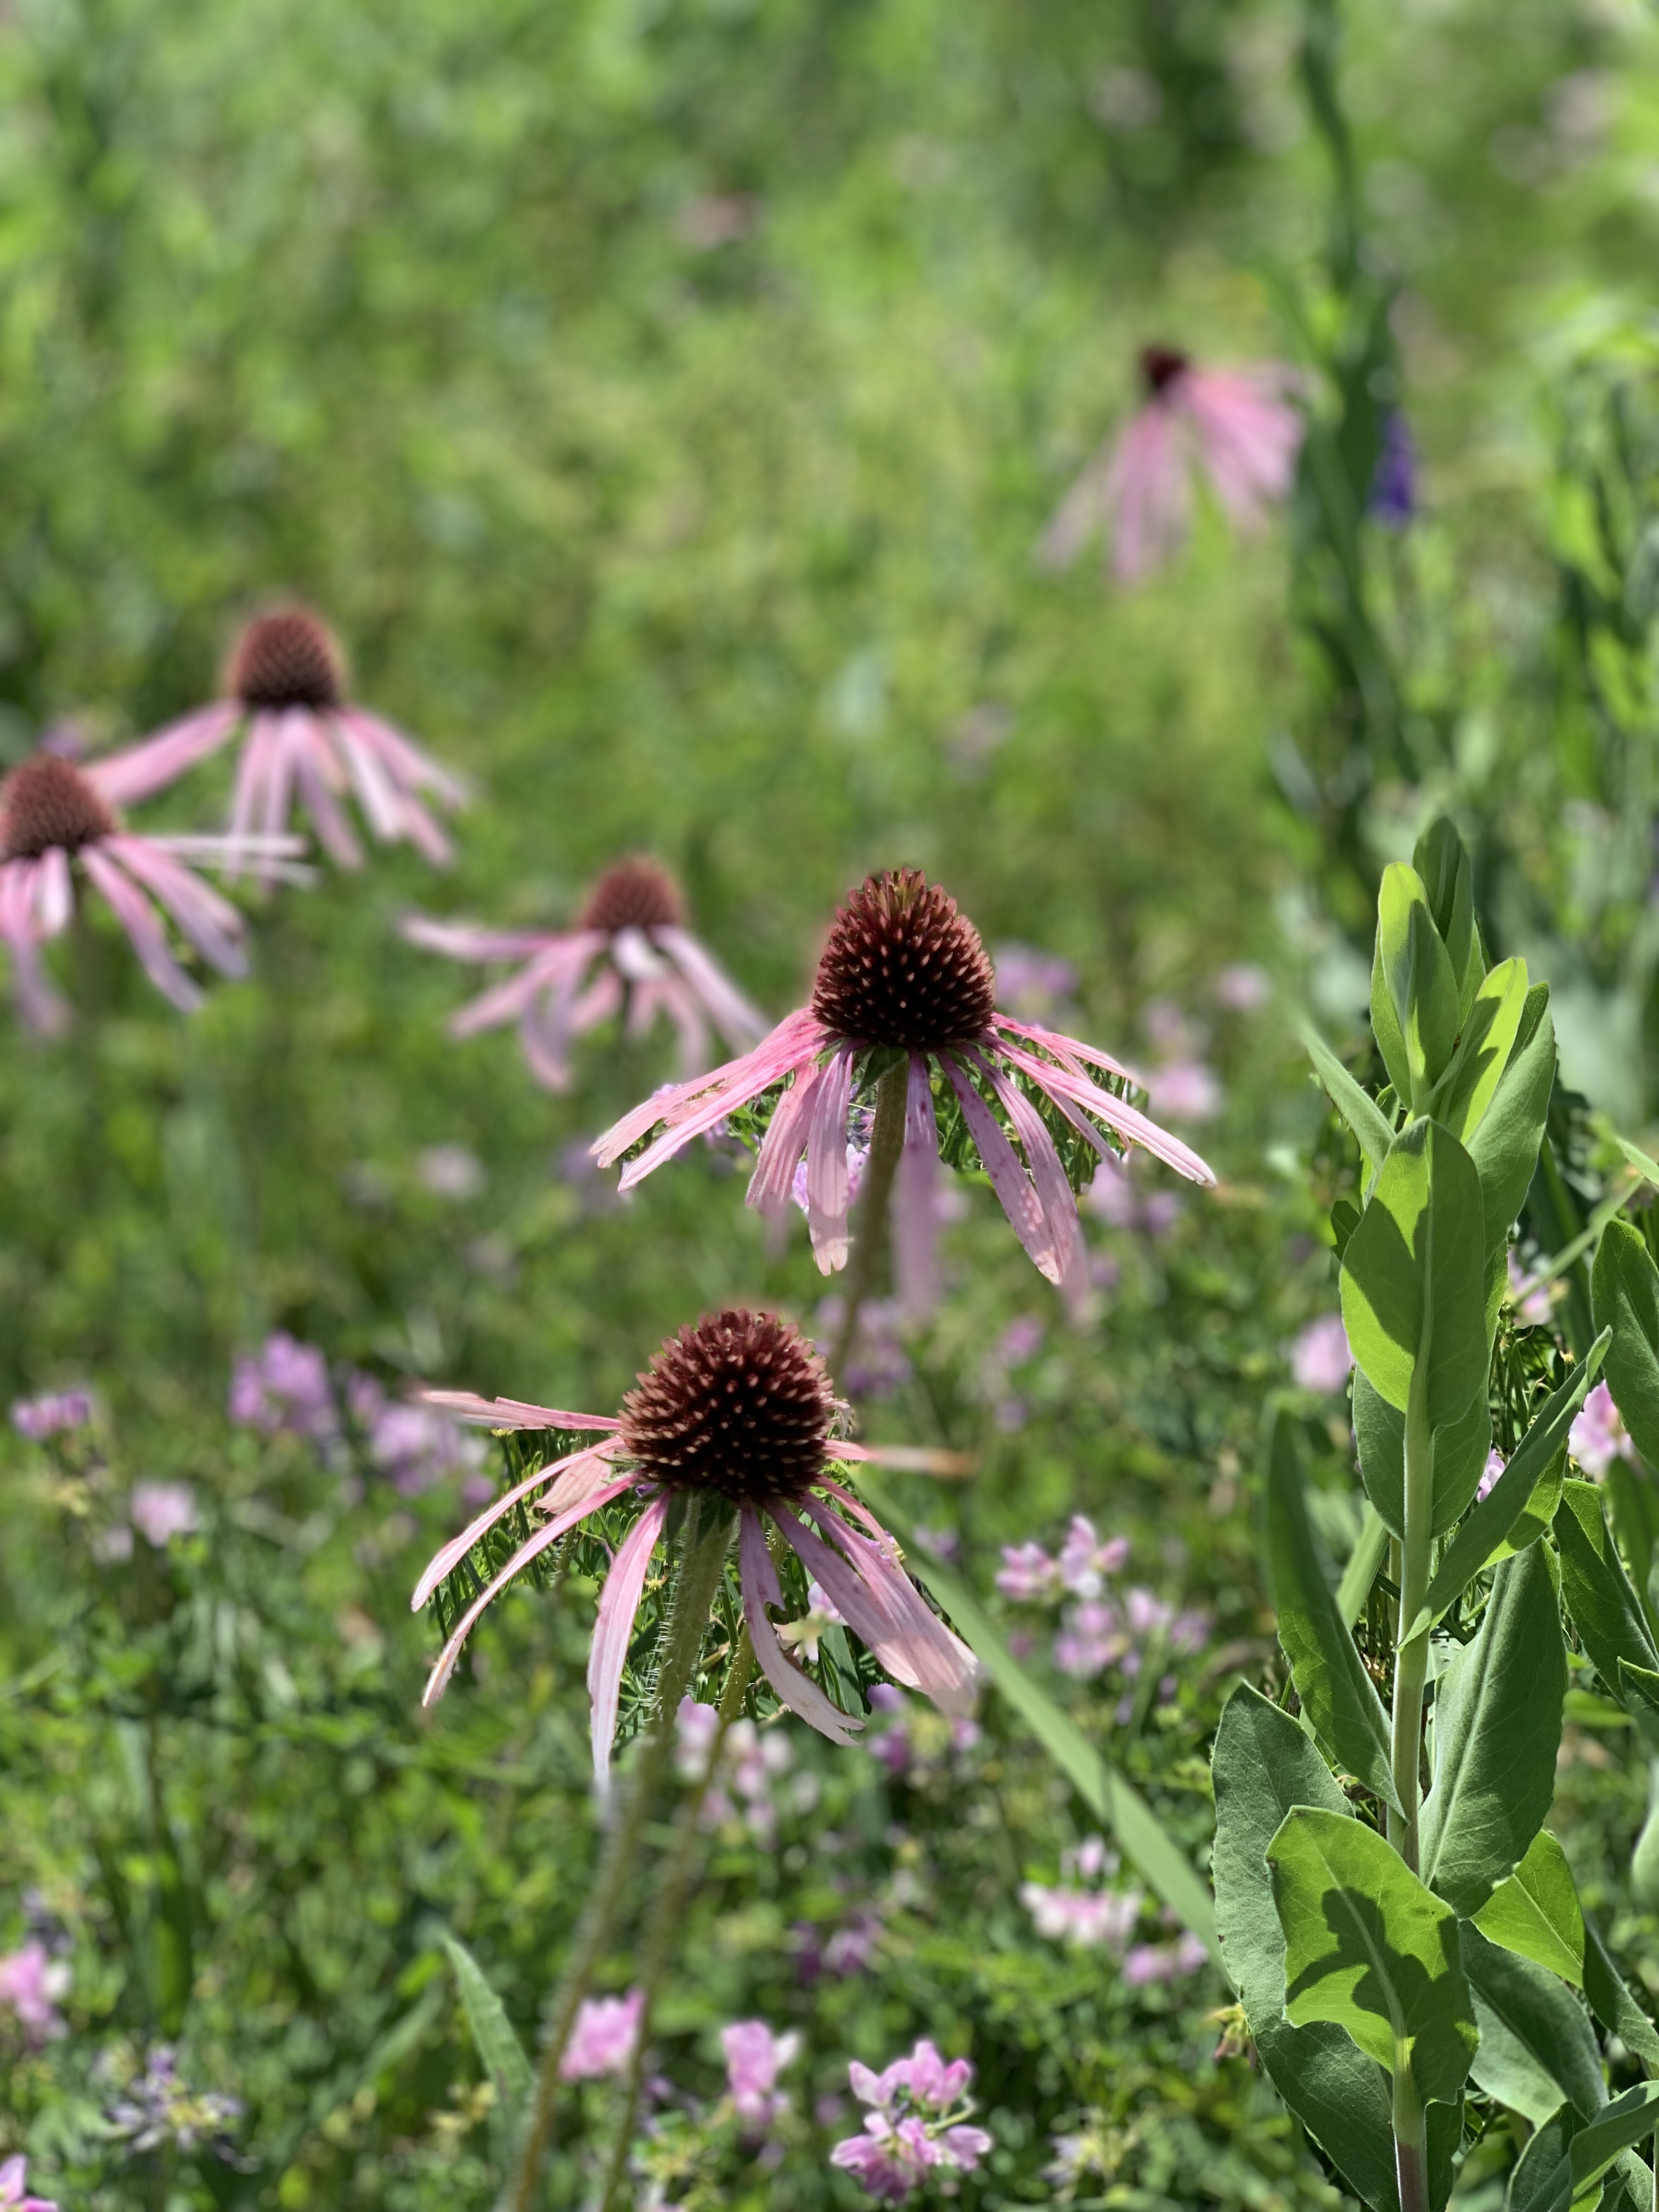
{"type": "Point", "coordinates": [1598, 1436]}
{"type": "Point", "coordinates": [602, 2037]}
{"type": "Point", "coordinates": [1035, 984]}
{"type": "Point", "coordinates": [1092, 1638]}
{"type": "Point", "coordinates": [1146, 1963]}
{"type": "Point", "coordinates": [162, 1511]}
{"type": "Point", "coordinates": [284, 1386]}
{"type": "Point", "coordinates": [14, 2193]}
{"type": "Point", "coordinates": [52, 1416]}
{"type": "Point", "coordinates": [1320, 1358]}
{"type": "Point", "coordinates": [1242, 988]}
{"type": "Point", "coordinates": [1494, 1468]}
{"type": "Point", "coordinates": [754, 2059]}
{"type": "Point", "coordinates": [1086, 1561]}
{"type": "Point", "coordinates": [1185, 1091]}
{"type": "Point", "coordinates": [1534, 1302]}
{"type": "Point", "coordinates": [31, 1982]}
{"type": "Point", "coordinates": [1239, 424]}
{"type": "Point", "coordinates": [915, 2126]}
{"type": "Point", "coordinates": [1028, 1573]}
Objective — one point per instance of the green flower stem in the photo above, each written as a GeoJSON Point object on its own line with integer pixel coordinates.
{"type": "Point", "coordinates": [665, 1919]}
{"type": "Point", "coordinates": [1411, 2151]}
{"type": "Point", "coordinates": [886, 1143]}
{"type": "Point", "coordinates": [1411, 2139]}
{"type": "Point", "coordinates": [703, 1546]}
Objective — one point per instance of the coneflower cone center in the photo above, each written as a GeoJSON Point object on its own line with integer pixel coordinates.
{"type": "Point", "coordinates": [740, 1405]}
{"type": "Point", "coordinates": [636, 894]}
{"type": "Point", "coordinates": [286, 660]}
{"type": "Point", "coordinates": [904, 967]}
{"type": "Point", "coordinates": [47, 801]}
{"type": "Point", "coordinates": [1160, 366]}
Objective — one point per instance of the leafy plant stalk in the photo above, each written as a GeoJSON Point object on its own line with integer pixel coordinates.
{"type": "Point", "coordinates": [886, 1143]}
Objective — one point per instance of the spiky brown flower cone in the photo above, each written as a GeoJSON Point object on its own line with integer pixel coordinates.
{"type": "Point", "coordinates": [46, 801]}
{"type": "Point", "coordinates": [902, 967]}
{"type": "Point", "coordinates": [636, 894]}
{"type": "Point", "coordinates": [1160, 365]}
{"type": "Point", "coordinates": [740, 1405]}
{"type": "Point", "coordinates": [288, 659]}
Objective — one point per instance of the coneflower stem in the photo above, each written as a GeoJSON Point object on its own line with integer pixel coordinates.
{"type": "Point", "coordinates": [703, 1546]}
{"type": "Point", "coordinates": [886, 1143]}
{"type": "Point", "coordinates": [667, 1916]}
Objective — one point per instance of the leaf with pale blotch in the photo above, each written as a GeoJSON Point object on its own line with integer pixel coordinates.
{"type": "Point", "coordinates": [1535, 1913]}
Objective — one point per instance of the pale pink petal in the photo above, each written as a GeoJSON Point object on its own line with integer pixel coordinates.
{"type": "Point", "coordinates": [416, 769]}
{"type": "Point", "coordinates": [675, 997]}
{"type": "Point", "coordinates": [551, 971]}
{"type": "Point", "coordinates": [514, 1413]}
{"type": "Point", "coordinates": [826, 1164]}
{"type": "Point", "coordinates": [20, 891]}
{"type": "Point", "coordinates": [556, 1016]}
{"type": "Point", "coordinates": [209, 921]}
{"type": "Point", "coordinates": [54, 891]}
{"type": "Point", "coordinates": [909, 1459]}
{"type": "Point", "coordinates": [143, 769]}
{"type": "Point", "coordinates": [613, 1630]}
{"type": "Point", "coordinates": [438, 1680]}
{"type": "Point", "coordinates": [255, 767]}
{"type": "Point", "coordinates": [466, 940]}
{"type": "Point", "coordinates": [1079, 516]}
{"type": "Point", "coordinates": [1061, 1085]}
{"type": "Point", "coordinates": [575, 1476]}
{"type": "Point", "coordinates": [861, 1577]}
{"type": "Point", "coordinates": [695, 1107]}
{"type": "Point", "coordinates": [737, 1018]}
{"type": "Point", "coordinates": [1068, 1051]}
{"type": "Point", "coordinates": [1249, 434]}
{"type": "Point", "coordinates": [1149, 487]}
{"type": "Point", "coordinates": [794, 1688]}
{"type": "Point", "coordinates": [915, 1200]}
{"type": "Point", "coordinates": [785, 1141]}
{"type": "Point", "coordinates": [142, 924]}
{"type": "Point", "coordinates": [1054, 1193]}
{"type": "Point", "coordinates": [317, 777]}
{"type": "Point", "coordinates": [1008, 1178]}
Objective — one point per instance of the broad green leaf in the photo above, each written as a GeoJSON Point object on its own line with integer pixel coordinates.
{"type": "Point", "coordinates": [1483, 1049]}
{"type": "Point", "coordinates": [1536, 2043]}
{"type": "Point", "coordinates": [1459, 1452]}
{"type": "Point", "coordinates": [1416, 973]}
{"type": "Point", "coordinates": [1611, 2001]}
{"type": "Point", "coordinates": [1367, 1121]}
{"type": "Point", "coordinates": [1504, 1148]}
{"type": "Point", "coordinates": [1604, 1607]}
{"type": "Point", "coordinates": [1263, 1765]}
{"type": "Point", "coordinates": [1535, 1912]}
{"type": "Point", "coordinates": [1625, 1290]}
{"type": "Point", "coordinates": [1413, 1284]}
{"type": "Point", "coordinates": [1489, 1525]}
{"type": "Point", "coordinates": [1368, 1947]}
{"type": "Point", "coordinates": [1163, 1865]}
{"type": "Point", "coordinates": [498, 2045]}
{"type": "Point", "coordinates": [1443, 866]}
{"type": "Point", "coordinates": [1337, 1694]}
{"type": "Point", "coordinates": [1592, 2150]}
{"type": "Point", "coordinates": [1628, 2186]}
{"type": "Point", "coordinates": [1497, 1731]}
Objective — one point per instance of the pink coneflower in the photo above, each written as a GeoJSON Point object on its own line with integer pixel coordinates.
{"type": "Point", "coordinates": [905, 972]}
{"type": "Point", "coordinates": [628, 949]}
{"type": "Point", "coordinates": [1239, 423]}
{"type": "Point", "coordinates": [285, 689]}
{"type": "Point", "coordinates": [738, 1410]}
{"type": "Point", "coordinates": [57, 816]}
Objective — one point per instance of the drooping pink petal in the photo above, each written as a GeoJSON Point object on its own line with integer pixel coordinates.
{"type": "Point", "coordinates": [1008, 1178]}
{"type": "Point", "coordinates": [1249, 434]}
{"type": "Point", "coordinates": [910, 1640]}
{"type": "Point", "coordinates": [142, 770]}
{"type": "Point", "coordinates": [319, 780]}
{"type": "Point", "coordinates": [142, 924]}
{"type": "Point", "coordinates": [797, 1036]}
{"type": "Point", "coordinates": [906, 1459]}
{"type": "Point", "coordinates": [467, 940]}
{"type": "Point", "coordinates": [690, 1119]}
{"type": "Point", "coordinates": [613, 1630]}
{"type": "Point", "coordinates": [514, 1413]}
{"type": "Point", "coordinates": [53, 895]}
{"type": "Point", "coordinates": [559, 969]}
{"type": "Point", "coordinates": [785, 1141]}
{"type": "Point", "coordinates": [572, 1478]}
{"type": "Point", "coordinates": [1067, 1050]}
{"type": "Point", "coordinates": [414, 768]}
{"type": "Point", "coordinates": [826, 1163]}
{"type": "Point", "coordinates": [674, 997]}
{"type": "Point", "coordinates": [1061, 1084]}
{"type": "Point", "coordinates": [438, 1680]}
{"type": "Point", "coordinates": [1054, 1193]}
{"type": "Point", "coordinates": [795, 1689]}
{"type": "Point", "coordinates": [255, 765]}
{"type": "Point", "coordinates": [1149, 487]}
{"type": "Point", "coordinates": [22, 891]}
{"type": "Point", "coordinates": [738, 1019]}
{"type": "Point", "coordinates": [916, 1199]}
{"type": "Point", "coordinates": [209, 921]}
{"type": "Point", "coordinates": [1081, 515]}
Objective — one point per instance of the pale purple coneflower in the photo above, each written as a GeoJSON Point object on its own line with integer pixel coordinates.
{"type": "Point", "coordinates": [738, 1411]}
{"type": "Point", "coordinates": [1240, 424]}
{"type": "Point", "coordinates": [904, 971]}
{"type": "Point", "coordinates": [284, 691]}
{"type": "Point", "coordinates": [628, 950]}
{"type": "Point", "coordinates": [57, 816]}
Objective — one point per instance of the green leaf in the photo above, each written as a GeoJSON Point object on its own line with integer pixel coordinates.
{"type": "Point", "coordinates": [1263, 1765]}
{"type": "Point", "coordinates": [1163, 1864]}
{"type": "Point", "coordinates": [1536, 2044]}
{"type": "Point", "coordinates": [1413, 1284]}
{"type": "Point", "coordinates": [1497, 1731]}
{"type": "Point", "coordinates": [1489, 1525]}
{"type": "Point", "coordinates": [1535, 1912]}
{"type": "Point", "coordinates": [1362, 1563]}
{"type": "Point", "coordinates": [1364, 1116]}
{"type": "Point", "coordinates": [1337, 1694]}
{"type": "Point", "coordinates": [1624, 1291]}
{"type": "Point", "coordinates": [1448, 884]}
{"type": "Point", "coordinates": [1604, 1607]}
{"type": "Point", "coordinates": [1644, 1164]}
{"type": "Point", "coordinates": [1459, 1452]}
{"type": "Point", "coordinates": [1368, 1948]}
{"type": "Point", "coordinates": [498, 2045]}
{"type": "Point", "coordinates": [1592, 2150]}
{"type": "Point", "coordinates": [1415, 971]}
{"type": "Point", "coordinates": [1611, 2001]}
{"type": "Point", "coordinates": [1483, 1049]}
{"type": "Point", "coordinates": [1504, 1148]}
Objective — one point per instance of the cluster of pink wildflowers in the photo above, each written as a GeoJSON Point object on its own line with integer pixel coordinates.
{"type": "Point", "coordinates": [1100, 1630]}
{"type": "Point", "coordinates": [1534, 1302]}
{"type": "Point", "coordinates": [31, 1983]}
{"type": "Point", "coordinates": [1598, 1436]}
{"type": "Point", "coordinates": [1080, 1909]}
{"type": "Point", "coordinates": [14, 2189]}
{"type": "Point", "coordinates": [755, 1783]}
{"type": "Point", "coordinates": [915, 2128]}
{"type": "Point", "coordinates": [1318, 1357]}
{"type": "Point", "coordinates": [417, 1447]}
{"type": "Point", "coordinates": [1117, 1197]}
{"type": "Point", "coordinates": [284, 1388]}
{"type": "Point", "coordinates": [754, 2059]}
{"type": "Point", "coordinates": [916, 1745]}
{"type": "Point", "coordinates": [602, 2037]}
{"type": "Point", "coordinates": [849, 1948]}
{"type": "Point", "coordinates": [57, 1414]}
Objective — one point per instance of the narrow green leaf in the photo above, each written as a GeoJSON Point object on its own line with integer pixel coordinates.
{"type": "Point", "coordinates": [1263, 1765]}
{"type": "Point", "coordinates": [1362, 1563]}
{"type": "Point", "coordinates": [1535, 1912]}
{"type": "Point", "coordinates": [1163, 1865]}
{"type": "Point", "coordinates": [1536, 2043]}
{"type": "Point", "coordinates": [1460, 1452]}
{"type": "Point", "coordinates": [1368, 1947]}
{"type": "Point", "coordinates": [1414, 1280]}
{"type": "Point", "coordinates": [1624, 1291]}
{"type": "Point", "coordinates": [1604, 1607]}
{"type": "Point", "coordinates": [1504, 1148]}
{"type": "Point", "coordinates": [1535, 2170]}
{"type": "Point", "coordinates": [1337, 1694]}
{"type": "Point", "coordinates": [1489, 1524]}
{"type": "Point", "coordinates": [1483, 1049]}
{"type": "Point", "coordinates": [1442, 865]}
{"type": "Point", "coordinates": [1592, 2150]}
{"type": "Point", "coordinates": [1364, 1116]}
{"type": "Point", "coordinates": [1416, 975]}
{"type": "Point", "coordinates": [502, 2054]}
{"type": "Point", "coordinates": [1611, 2000]}
{"type": "Point", "coordinates": [1497, 1731]}
{"type": "Point", "coordinates": [1644, 1164]}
